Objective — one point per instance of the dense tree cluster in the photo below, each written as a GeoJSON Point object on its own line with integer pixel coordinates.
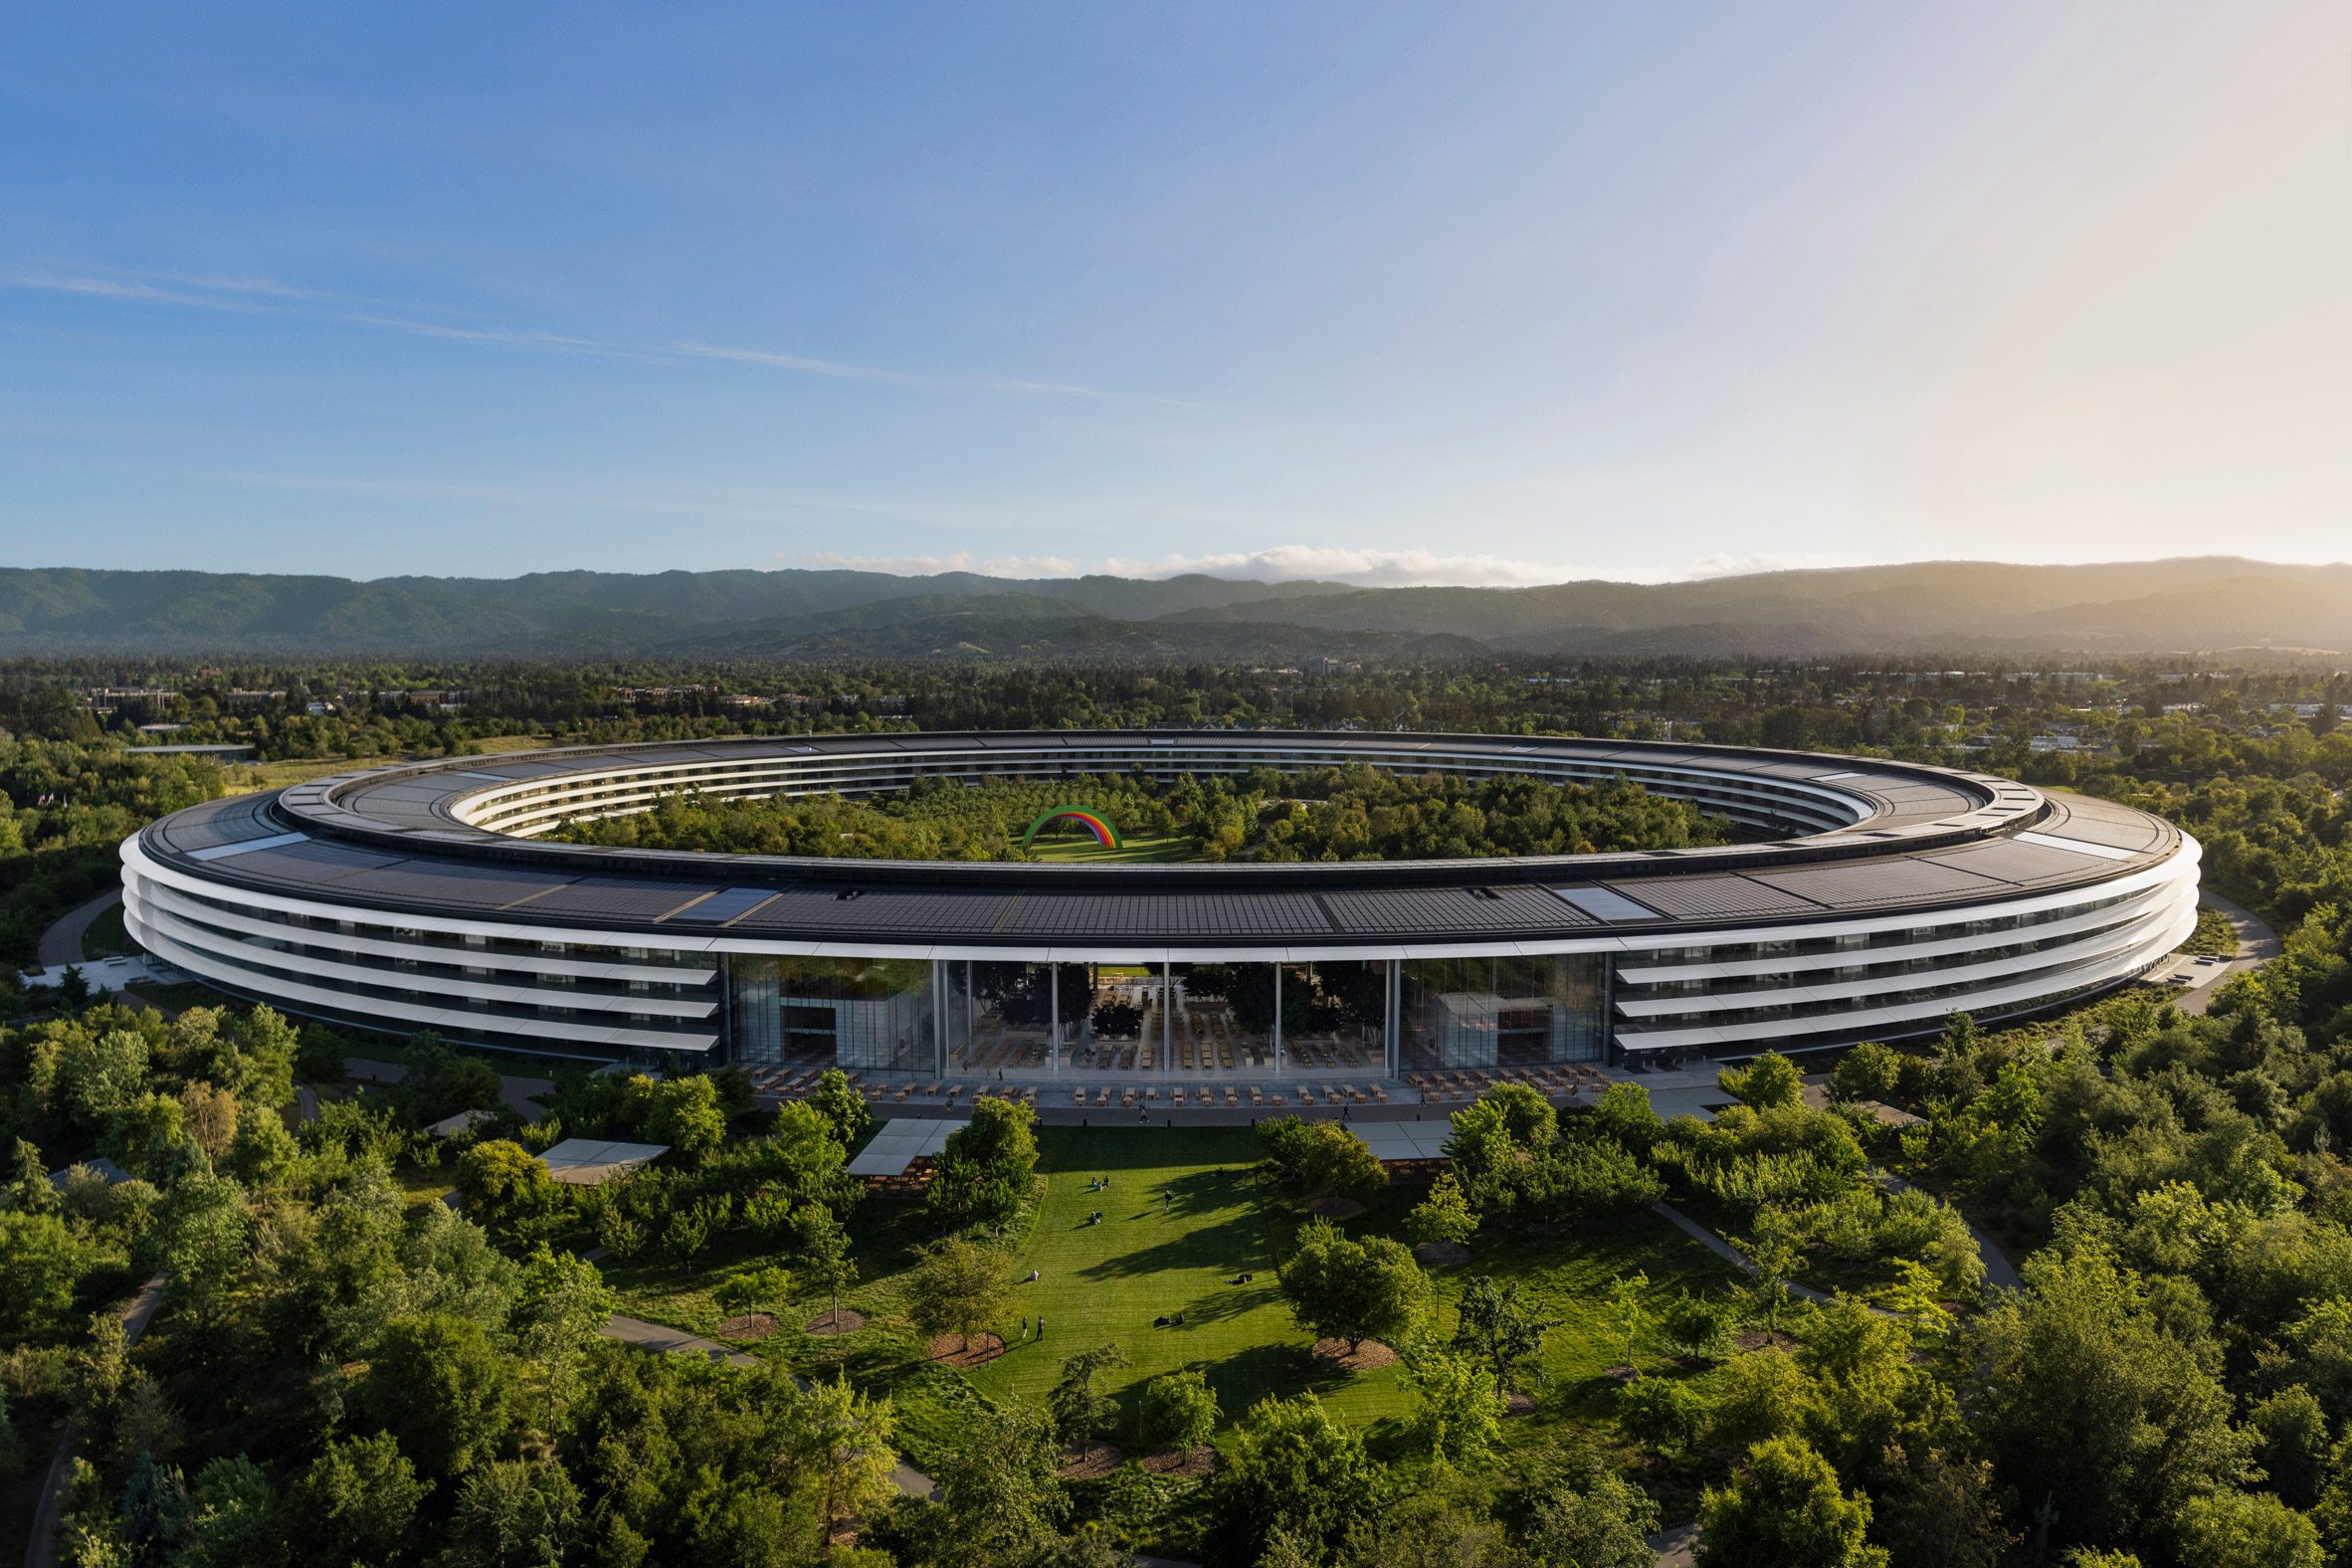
{"type": "Point", "coordinates": [1334, 814]}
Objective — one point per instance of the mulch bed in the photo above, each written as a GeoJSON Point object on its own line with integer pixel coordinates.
{"type": "Point", "coordinates": [1518, 1404]}
{"type": "Point", "coordinates": [1368, 1356]}
{"type": "Point", "coordinates": [983, 1349]}
{"type": "Point", "coordinates": [1442, 1254]}
{"type": "Point", "coordinates": [1084, 1464]}
{"type": "Point", "coordinates": [1757, 1339]}
{"type": "Point", "coordinates": [1335, 1208]}
{"type": "Point", "coordinates": [1194, 1463]}
{"type": "Point", "coordinates": [750, 1326]}
{"type": "Point", "coordinates": [822, 1326]}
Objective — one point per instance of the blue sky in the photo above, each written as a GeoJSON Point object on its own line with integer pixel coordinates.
{"type": "Point", "coordinates": [1453, 293]}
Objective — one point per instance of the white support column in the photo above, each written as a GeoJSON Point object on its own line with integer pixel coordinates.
{"type": "Point", "coordinates": [939, 1009]}
{"type": "Point", "coordinates": [1277, 969]}
{"type": "Point", "coordinates": [1396, 1016]}
{"type": "Point", "coordinates": [1054, 985]}
{"type": "Point", "coordinates": [1169, 1008]}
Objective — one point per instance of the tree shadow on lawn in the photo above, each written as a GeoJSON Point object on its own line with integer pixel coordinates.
{"type": "Point", "coordinates": [1238, 1245]}
{"type": "Point", "coordinates": [1229, 1302]}
{"type": "Point", "coordinates": [1110, 1149]}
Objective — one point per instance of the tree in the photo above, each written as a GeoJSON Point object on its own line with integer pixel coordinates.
{"type": "Point", "coordinates": [836, 1099]}
{"type": "Point", "coordinates": [1179, 1411]}
{"type": "Point", "coordinates": [354, 1504]}
{"type": "Point", "coordinates": [840, 1444]}
{"type": "Point", "coordinates": [154, 1506]}
{"type": "Point", "coordinates": [1082, 1412]}
{"type": "Point", "coordinates": [1666, 1414]}
{"type": "Point", "coordinates": [232, 1519]}
{"type": "Point", "coordinates": [1289, 1469]}
{"type": "Point", "coordinates": [1760, 1395]}
{"type": "Point", "coordinates": [2294, 1446]}
{"type": "Point", "coordinates": [72, 987]}
{"type": "Point", "coordinates": [1320, 1159]}
{"type": "Point", "coordinates": [262, 1150]}
{"type": "Point", "coordinates": [443, 1391]}
{"type": "Point", "coordinates": [1591, 1517]}
{"type": "Point", "coordinates": [1004, 1496]}
{"type": "Point", "coordinates": [988, 1168]}
{"type": "Point", "coordinates": [506, 1188]}
{"type": "Point", "coordinates": [1699, 1325]}
{"type": "Point", "coordinates": [98, 1074]}
{"type": "Point", "coordinates": [204, 1230]}
{"type": "Point", "coordinates": [1443, 1216]}
{"type": "Point", "coordinates": [752, 1289]}
{"type": "Point", "coordinates": [42, 1263]}
{"type": "Point", "coordinates": [1869, 1072]}
{"type": "Point", "coordinates": [560, 1309]}
{"type": "Point", "coordinates": [685, 1114]}
{"type": "Point", "coordinates": [210, 1116]}
{"type": "Point", "coordinates": [1458, 1411]}
{"type": "Point", "coordinates": [2082, 1396]}
{"type": "Point", "coordinates": [1772, 1246]}
{"type": "Point", "coordinates": [1628, 1309]}
{"type": "Point", "coordinates": [1502, 1324]}
{"type": "Point", "coordinates": [693, 1225]}
{"type": "Point", "coordinates": [513, 1514]}
{"type": "Point", "coordinates": [1939, 1510]}
{"type": "Point", "coordinates": [2245, 1530]}
{"type": "Point", "coordinates": [824, 1248]}
{"type": "Point", "coordinates": [1341, 1289]}
{"type": "Point", "coordinates": [1783, 1508]}
{"type": "Point", "coordinates": [957, 1287]}
{"type": "Point", "coordinates": [1768, 1081]}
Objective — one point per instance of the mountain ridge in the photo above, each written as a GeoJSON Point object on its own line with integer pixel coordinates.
{"type": "Point", "coordinates": [2175, 605]}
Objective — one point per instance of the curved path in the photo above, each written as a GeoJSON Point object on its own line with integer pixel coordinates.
{"type": "Point", "coordinates": [41, 1549]}
{"type": "Point", "coordinates": [2258, 944]}
{"type": "Point", "coordinates": [61, 943]}
{"type": "Point", "coordinates": [660, 1339]}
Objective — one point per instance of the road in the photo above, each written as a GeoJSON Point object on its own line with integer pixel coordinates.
{"type": "Point", "coordinates": [61, 943]}
{"type": "Point", "coordinates": [2258, 944]}
{"type": "Point", "coordinates": [40, 1550]}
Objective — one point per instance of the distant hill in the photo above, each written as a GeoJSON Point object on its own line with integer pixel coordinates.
{"type": "Point", "coordinates": [2145, 607]}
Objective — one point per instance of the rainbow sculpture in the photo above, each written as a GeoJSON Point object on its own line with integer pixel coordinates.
{"type": "Point", "coordinates": [1105, 834]}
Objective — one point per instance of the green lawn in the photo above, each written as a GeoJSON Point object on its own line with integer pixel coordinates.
{"type": "Point", "coordinates": [106, 936]}
{"type": "Point", "coordinates": [1147, 1259]}
{"type": "Point", "coordinates": [1135, 848]}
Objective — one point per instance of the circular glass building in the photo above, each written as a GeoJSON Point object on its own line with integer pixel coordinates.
{"type": "Point", "coordinates": [1883, 898]}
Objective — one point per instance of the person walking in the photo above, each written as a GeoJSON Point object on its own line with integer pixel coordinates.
{"type": "Point", "coordinates": [1025, 1328]}
{"type": "Point", "coordinates": [1041, 1328]}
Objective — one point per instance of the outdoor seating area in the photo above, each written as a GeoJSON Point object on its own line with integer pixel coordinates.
{"type": "Point", "coordinates": [1562, 1080]}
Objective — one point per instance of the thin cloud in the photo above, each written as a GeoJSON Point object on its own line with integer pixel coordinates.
{"type": "Point", "coordinates": [268, 296]}
{"type": "Point", "coordinates": [935, 565]}
{"type": "Point", "coordinates": [1284, 563]}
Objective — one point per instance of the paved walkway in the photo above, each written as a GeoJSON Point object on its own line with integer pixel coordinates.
{"type": "Point", "coordinates": [41, 1549]}
{"type": "Point", "coordinates": [2258, 944]}
{"type": "Point", "coordinates": [1998, 1271]}
{"type": "Point", "coordinates": [61, 943]}
{"type": "Point", "coordinates": [1730, 1254]}
{"type": "Point", "coordinates": [660, 1339]}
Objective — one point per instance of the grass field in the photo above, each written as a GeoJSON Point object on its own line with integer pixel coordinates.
{"type": "Point", "coordinates": [106, 936]}
{"type": "Point", "coordinates": [1136, 848]}
{"type": "Point", "coordinates": [1151, 1258]}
